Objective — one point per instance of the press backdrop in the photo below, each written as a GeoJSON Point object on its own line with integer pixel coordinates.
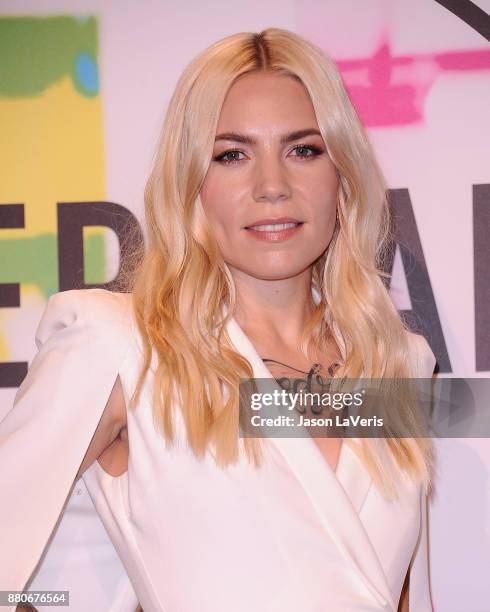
{"type": "Point", "coordinates": [83, 90]}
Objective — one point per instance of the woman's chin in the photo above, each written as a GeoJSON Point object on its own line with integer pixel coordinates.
{"type": "Point", "coordinates": [272, 272]}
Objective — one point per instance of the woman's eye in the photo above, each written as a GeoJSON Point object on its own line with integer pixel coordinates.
{"type": "Point", "coordinates": [313, 151]}
{"type": "Point", "coordinates": [226, 159]}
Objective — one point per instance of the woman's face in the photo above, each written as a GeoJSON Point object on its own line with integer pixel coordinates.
{"type": "Point", "coordinates": [269, 168]}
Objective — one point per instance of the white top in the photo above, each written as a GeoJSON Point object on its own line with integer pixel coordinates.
{"type": "Point", "coordinates": [293, 535]}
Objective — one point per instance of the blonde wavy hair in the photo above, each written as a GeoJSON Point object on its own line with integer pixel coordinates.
{"type": "Point", "coordinates": [184, 294]}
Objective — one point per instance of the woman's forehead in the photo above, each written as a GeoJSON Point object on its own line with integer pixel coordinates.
{"type": "Point", "coordinates": [266, 102]}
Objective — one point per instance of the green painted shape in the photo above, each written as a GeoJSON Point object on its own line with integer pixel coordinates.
{"type": "Point", "coordinates": [94, 260]}
{"type": "Point", "coordinates": [34, 261]}
{"type": "Point", "coordinates": [36, 52]}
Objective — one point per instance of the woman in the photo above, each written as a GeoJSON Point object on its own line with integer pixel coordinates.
{"type": "Point", "coordinates": [267, 219]}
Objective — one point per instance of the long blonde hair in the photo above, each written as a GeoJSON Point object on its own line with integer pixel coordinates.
{"type": "Point", "coordinates": [181, 284]}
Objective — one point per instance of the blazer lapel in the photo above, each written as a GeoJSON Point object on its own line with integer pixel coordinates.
{"type": "Point", "coordinates": [336, 496]}
{"type": "Point", "coordinates": [353, 476]}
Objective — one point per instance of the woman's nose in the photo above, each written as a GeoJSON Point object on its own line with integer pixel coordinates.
{"type": "Point", "coordinates": [271, 181]}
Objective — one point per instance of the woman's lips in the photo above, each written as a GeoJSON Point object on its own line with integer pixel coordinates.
{"type": "Point", "coordinates": [276, 232]}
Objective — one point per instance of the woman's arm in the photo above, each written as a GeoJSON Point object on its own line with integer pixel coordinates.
{"type": "Point", "coordinates": [110, 426]}
{"type": "Point", "coordinates": [403, 602]}
{"type": "Point", "coordinates": [47, 437]}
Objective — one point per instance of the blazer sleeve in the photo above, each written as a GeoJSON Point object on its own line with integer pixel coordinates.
{"type": "Point", "coordinates": [419, 599]}
{"type": "Point", "coordinates": [419, 592]}
{"type": "Point", "coordinates": [81, 343]}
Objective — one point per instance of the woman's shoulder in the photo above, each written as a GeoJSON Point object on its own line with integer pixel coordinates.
{"type": "Point", "coordinates": [94, 301]}
{"type": "Point", "coordinates": [423, 359]}
{"type": "Point", "coordinates": [104, 310]}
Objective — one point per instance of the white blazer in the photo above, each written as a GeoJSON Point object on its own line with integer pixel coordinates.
{"type": "Point", "coordinates": [183, 535]}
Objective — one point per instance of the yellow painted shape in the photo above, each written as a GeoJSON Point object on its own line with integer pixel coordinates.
{"type": "Point", "coordinates": [51, 150]}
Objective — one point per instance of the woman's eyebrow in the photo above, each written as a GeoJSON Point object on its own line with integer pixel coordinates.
{"type": "Point", "coordinates": [245, 139]}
